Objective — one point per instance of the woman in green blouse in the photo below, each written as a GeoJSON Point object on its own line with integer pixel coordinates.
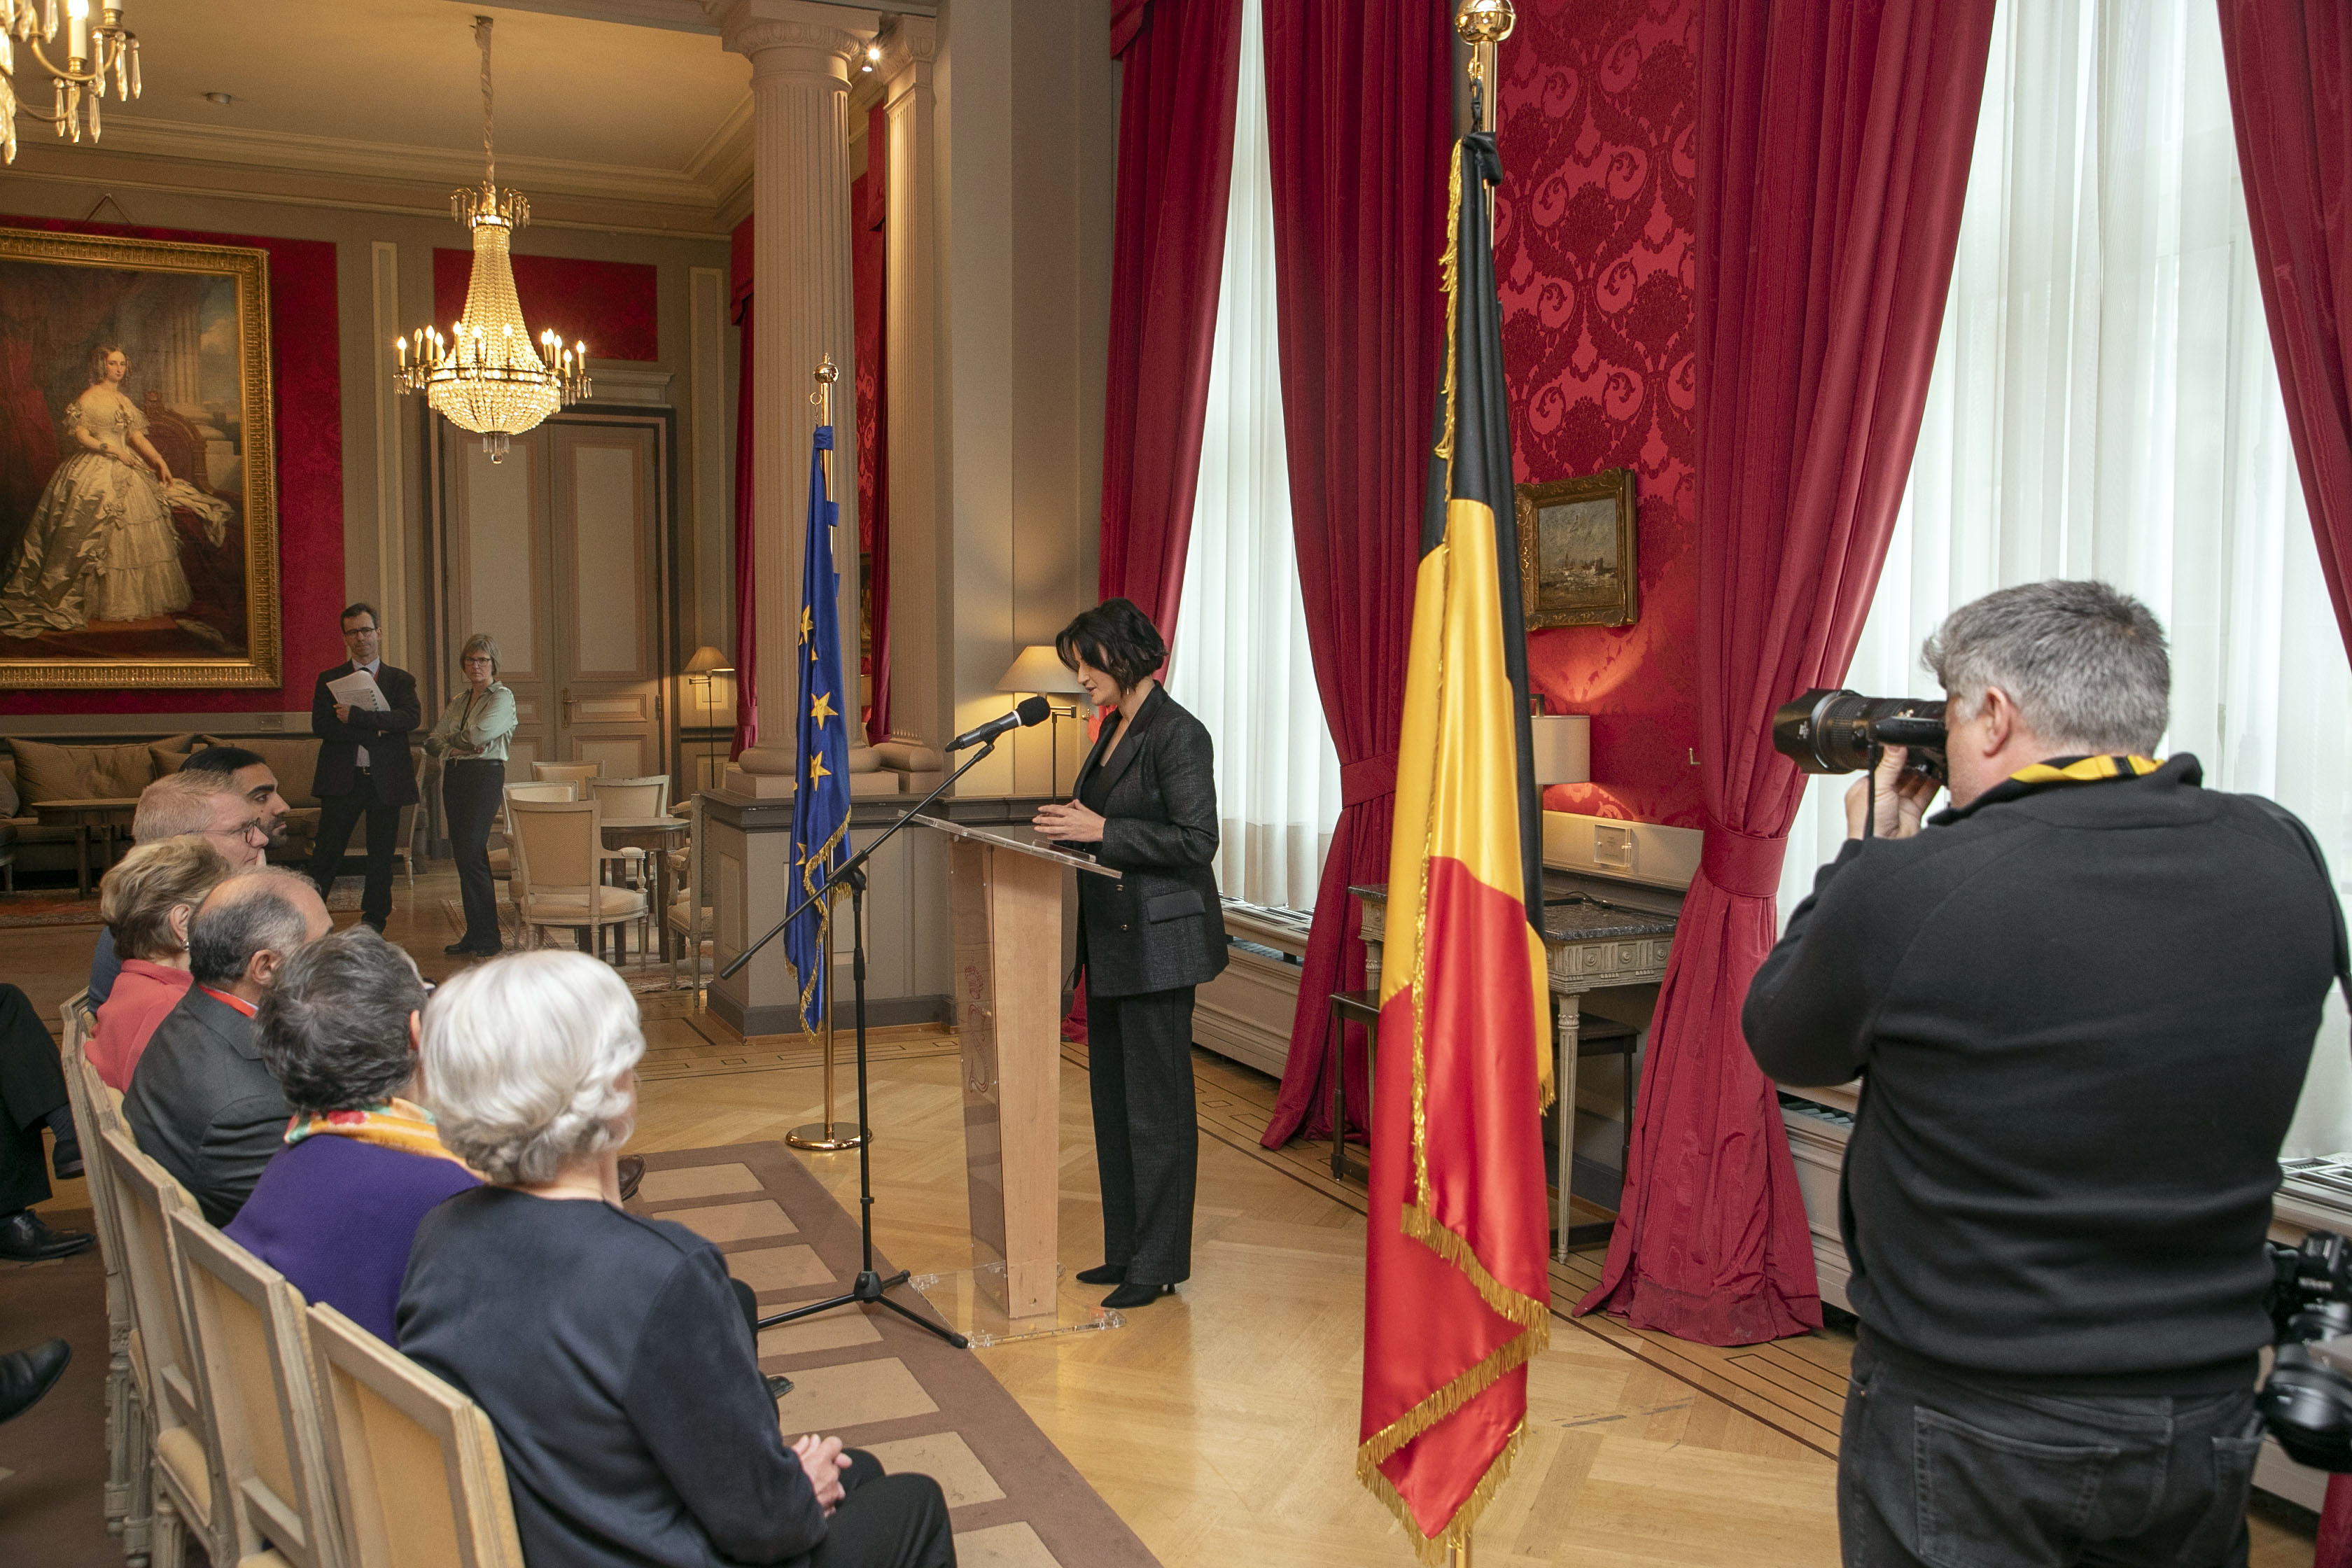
{"type": "Point", "coordinates": [471, 740]}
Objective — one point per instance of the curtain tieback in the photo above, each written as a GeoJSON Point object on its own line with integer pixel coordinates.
{"type": "Point", "coordinates": [1745, 865]}
{"type": "Point", "coordinates": [1368, 779]}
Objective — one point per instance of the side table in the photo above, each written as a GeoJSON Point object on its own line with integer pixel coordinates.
{"type": "Point", "coordinates": [93, 821]}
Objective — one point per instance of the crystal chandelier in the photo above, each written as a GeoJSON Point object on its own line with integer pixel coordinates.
{"type": "Point", "coordinates": [485, 376]}
{"type": "Point", "coordinates": [92, 55]}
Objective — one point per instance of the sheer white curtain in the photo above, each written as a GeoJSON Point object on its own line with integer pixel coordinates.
{"type": "Point", "coordinates": [2104, 404]}
{"type": "Point", "coordinates": [1240, 660]}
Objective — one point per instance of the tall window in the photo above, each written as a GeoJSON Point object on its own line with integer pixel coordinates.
{"type": "Point", "coordinates": [1240, 660]}
{"type": "Point", "coordinates": [2104, 404]}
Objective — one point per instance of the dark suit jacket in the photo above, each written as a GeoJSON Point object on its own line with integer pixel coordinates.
{"type": "Point", "coordinates": [385, 735]}
{"type": "Point", "coordinates": [1161, 924]}
{"type": "Point", "coordinates": [201, 1105]}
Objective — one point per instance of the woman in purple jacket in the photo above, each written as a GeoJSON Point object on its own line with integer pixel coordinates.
{"type": "Point", "coordinates": [336, 1208]}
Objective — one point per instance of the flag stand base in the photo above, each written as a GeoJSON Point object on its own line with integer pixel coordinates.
{"type": "Point", "coordinates": [827, 1137]}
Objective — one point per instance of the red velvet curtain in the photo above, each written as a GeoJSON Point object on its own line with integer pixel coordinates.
{"type": "Point", "coordinates": [747, 613]}
{"type": "Point", "coordinates": [869, 266]}
{"type": "Point", "coordinates": [2290, 65]}
{"type": "Point", "coordinates": [1168, 245]}
{"type": "Point", "coordinates": [1362, 118]}
{"type": "Point", "coordinates": [1832, 156]}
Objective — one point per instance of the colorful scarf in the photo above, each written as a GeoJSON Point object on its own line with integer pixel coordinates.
{"type": "Point", "coordinates": [2087, 769]}
{"type": "Point", "coordinates": [388, 1124]}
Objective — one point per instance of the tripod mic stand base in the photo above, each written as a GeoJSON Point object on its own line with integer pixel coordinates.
{"type": "Point", "coordinates": [869, 1288]}
{"type": "Point", "coordinates": [827, 1137]}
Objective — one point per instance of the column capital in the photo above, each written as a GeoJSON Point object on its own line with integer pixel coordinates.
{"type": "Point", "coordinates": [906, 43]}
{"type": "Point", "coordinates": [829, 35]}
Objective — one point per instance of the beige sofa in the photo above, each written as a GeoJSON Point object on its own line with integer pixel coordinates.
{"type": "Point", "coordinates": [33, 769]}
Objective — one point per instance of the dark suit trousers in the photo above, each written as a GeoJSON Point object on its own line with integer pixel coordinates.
{"type": "Point", "coordinates": [470, 789]}
{"type": "Point", "coordinates": [338, 815]}
{"type": "Point", "coordinates": [1147, 1137]}
{"type": "Point", "coordinates": [32, 1089]}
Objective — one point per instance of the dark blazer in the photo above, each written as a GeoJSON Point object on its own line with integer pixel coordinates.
{"type": "Point", "coordinates": [1161, 924]}
{"type": "Point", "coordinates": [201, 1105]}
{"type": "Point", "coordinates": [385, 736]}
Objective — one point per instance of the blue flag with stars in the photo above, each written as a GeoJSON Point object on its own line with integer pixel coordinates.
{"type": "Point", "coordinates": [821, 796]}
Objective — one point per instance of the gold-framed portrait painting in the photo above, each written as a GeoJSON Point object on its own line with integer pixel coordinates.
{"type": "Point", "coordinates": [137, 507]}
{"type": "Point", "coordinates": [1577, 551]}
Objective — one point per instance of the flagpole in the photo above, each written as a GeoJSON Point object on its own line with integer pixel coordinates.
{"type": "Point", "coordinates": [822, 1137]}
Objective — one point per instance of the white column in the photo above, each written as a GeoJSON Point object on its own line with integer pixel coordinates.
{"type": "Point", "coordinates": [911, 358]}
{"type": "Point", "coordinates": [800, 312]}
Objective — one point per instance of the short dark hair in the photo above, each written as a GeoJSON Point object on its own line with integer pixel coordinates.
{"type": "Point", "coordinates": [361, 608]}
{"type": "Point", "coordinates": [1114, 638]}
{"type": "Point", "coordinates": [333, 1030]}
{"type": "Point", "coordinates": [222, 759]}
{"type": "Point", "coordinates": [224, 937]}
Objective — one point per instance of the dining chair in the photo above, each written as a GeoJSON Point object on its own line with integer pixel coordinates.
{"type": "Point", "coordinates": [558, 862]}
{"type": "Point", "coordinates": [126, 1493]}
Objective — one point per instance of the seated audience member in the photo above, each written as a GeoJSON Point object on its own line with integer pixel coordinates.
{"type": "Point", "coordinates": [147, 901]}
{"type": "Point", "coordinates": [174, 806]}
{"type": "Point", "coordinates": [612, 1351]}
{"type": "Point", "coordinates": [200, 1104]}
{"type": "Point", "coordinates": [32, 1095]}
{"type": "Point", "coordinates": [336, 1207]}
{"type": "Point", "coordinates": [247, 774]}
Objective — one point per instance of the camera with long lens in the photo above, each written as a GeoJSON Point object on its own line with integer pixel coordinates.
{"type": "Point", "coordinates": [2307, 1401]}
{"type": "Point", "coordinates": [1841, 731]}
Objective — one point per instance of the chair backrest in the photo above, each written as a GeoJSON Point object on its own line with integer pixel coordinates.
{"type": "Point", "coordinates": [647, 796]}
{"type": "Point", "coordinates": [162, 1359]}
{"type": "Point", "coordinates": [85, 1095]}
{"type": "Point", "coordinates": [555, 845]}
{"type": "Point", "coordinates": [252, 1352]}
{"type": "Point", "coordinates": [416, 1464]}
{"type": "Point", "coordinates": [579, 773]}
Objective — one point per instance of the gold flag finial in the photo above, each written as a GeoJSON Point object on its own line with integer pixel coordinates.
{"type": "Point", "coordinates": [1482, 25]}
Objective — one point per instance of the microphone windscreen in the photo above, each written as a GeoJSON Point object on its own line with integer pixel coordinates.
{"type": "Point", "coordinates": [1033, 710]}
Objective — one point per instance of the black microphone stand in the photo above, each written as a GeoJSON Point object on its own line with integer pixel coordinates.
{"type": "Point", "coordinates": [869, 1285]}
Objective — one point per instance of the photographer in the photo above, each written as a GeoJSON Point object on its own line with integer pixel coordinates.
{"type": "Point", "coordinates": [2083, 1000]}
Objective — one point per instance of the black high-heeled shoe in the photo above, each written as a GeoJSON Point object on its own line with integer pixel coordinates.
{"type": "Point", "coordinates": [1135, 1293]}
{"type": "Point", "coordinates": [1103, 1274]}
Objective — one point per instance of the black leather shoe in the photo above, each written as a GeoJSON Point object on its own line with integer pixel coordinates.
{"type": "Point", "coordinates": [1103, 1274]}
{"type": "Point", "coordinates": [372, 924]}
{"type": "Point", "coordinates": [26, 1376]}
{"type": "Point", "coordinates": [24, 1239]}
{"type": "Point", "coordinates": [460, 948]}
{"type": "Point", "coordinates": [632, 1171]}
{"type": "Point", "coordinates": [65, 1158]}
{"type": "Point", "coordinates": [1135, 1293]}
{"type": "Point", "coordinates": [778, 1385]}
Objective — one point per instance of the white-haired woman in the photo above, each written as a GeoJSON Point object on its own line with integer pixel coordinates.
{"type": "Point", "coordinates": [612, 1351]}
{"type": "Point", "coordinates": [470, 738]}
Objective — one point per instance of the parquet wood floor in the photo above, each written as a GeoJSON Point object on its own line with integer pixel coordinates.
{"type": "Point", "coordinates": [1221, 1423]}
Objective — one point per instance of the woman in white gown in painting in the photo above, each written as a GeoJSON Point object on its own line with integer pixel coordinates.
{"type": "Point", "coordinates": [102, 545]}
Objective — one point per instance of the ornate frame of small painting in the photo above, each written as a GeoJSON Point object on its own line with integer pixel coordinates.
{"type": "Point", "coordinates": [187, 594]}
{"type": "Point", "coordinates": [1577, 551]}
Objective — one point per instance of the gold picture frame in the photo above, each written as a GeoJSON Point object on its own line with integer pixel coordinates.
{"type": "Point", "coordinates": [1577, 551]}
{"type": "Point", "coordinates": [138, 505]}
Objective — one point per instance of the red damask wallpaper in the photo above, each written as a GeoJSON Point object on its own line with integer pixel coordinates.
{"type": "Point", "coordinates": [1598, 125]}
{"type": "Point", "coordinates": [613, 305]}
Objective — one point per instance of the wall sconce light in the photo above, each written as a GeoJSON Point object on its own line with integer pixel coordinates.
{"type": "Point", "coordinates": [1040, 670]}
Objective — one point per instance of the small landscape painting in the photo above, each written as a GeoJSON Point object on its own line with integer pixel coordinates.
{"type": "Point", "coordinates": [1577, 550]}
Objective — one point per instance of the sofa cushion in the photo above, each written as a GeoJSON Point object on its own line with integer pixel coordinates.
{"type": "Point", "coordinates": [294, 759]}
{"type": "Point", "coordinates": [47, 771]}
{"type": "Point", "coordinates": [9, 804]}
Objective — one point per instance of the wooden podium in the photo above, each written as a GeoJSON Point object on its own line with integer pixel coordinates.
{"type": "Point", "coordinates": [1005, 892]}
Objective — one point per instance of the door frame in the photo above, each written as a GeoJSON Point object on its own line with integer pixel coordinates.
{"type": "Point", "coordinates": [439, 633]}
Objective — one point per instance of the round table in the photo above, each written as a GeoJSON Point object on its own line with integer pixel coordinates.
{"type": "Point", "coordinates": [653, 835]}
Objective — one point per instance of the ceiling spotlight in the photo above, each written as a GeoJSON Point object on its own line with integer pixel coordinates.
{"type": "Point", "coordinates": [873, 51]}
{"type": "Point", "coordinates": [222, 99]}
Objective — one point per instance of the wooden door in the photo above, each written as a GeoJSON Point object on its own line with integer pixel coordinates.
{"type": "Point", "coordinates": [502, 577]}
{"type": "Point", "coordinates": [606, 597]}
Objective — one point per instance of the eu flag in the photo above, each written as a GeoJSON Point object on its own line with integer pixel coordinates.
{"type": "Point", "coordinates": [821, 798]}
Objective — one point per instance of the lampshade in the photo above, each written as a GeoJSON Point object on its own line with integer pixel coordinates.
{"type": "Point", "coordinates": [707, 660]}
{"type": "Point", "coordinates": [1040, 670]}
{"type": "Point", "coordinates": [1563, 748]}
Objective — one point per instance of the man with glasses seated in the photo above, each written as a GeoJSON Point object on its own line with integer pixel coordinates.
{"type": "Point", "coordinates": [190, 800]}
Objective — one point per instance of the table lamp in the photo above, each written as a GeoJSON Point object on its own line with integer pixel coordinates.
{"type": "Point", "coordinates": [1040, 671]}
{"type": "Point", "coordinates": [706, 662]}
{"type": "Point", "coordinates": [1563, 748]}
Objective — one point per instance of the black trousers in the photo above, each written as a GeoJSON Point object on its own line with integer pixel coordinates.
{"type": "Point", "coordinates": [1933, 1470]}
{"type": "Point", "coordinates": [32, 1089]}
{"type": "Point", "coordinates": [882, 1520]}
{"type": "Point", "coordinates": [469, 793]}
{"type": "Point", "coordinates": [1147, 1137]}
{"type": "Point", "coordinates": [338, 815]}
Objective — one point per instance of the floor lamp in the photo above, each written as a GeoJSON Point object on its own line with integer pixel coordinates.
{"type": "Point", "coordinates": [707, 663]}
{"type": "Point", "coordinates": [1040, 671]}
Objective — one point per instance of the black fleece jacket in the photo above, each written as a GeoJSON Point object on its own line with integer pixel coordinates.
{"type": "Point", "coordinates": [2082, 1012]}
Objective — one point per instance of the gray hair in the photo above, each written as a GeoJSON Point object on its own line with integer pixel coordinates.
{"type": "Point", "coordinates": [523, 1061]}
{"type": "Point", "coordinates": [2084, 663]}
{"type": "Point", "coordinates": [333, 1029]}
{"type": "Point", "coordinates": [176, 805]}
{"type": "Point", "coordinates": [480, 642]}
{"type": "Point", "coordinates": [226, 932]}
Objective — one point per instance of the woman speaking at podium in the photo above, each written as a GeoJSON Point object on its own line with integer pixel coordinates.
{"type": "Point", "coordinates": [1146, 806]}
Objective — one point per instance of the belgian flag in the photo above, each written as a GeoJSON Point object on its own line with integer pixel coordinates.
{"type": "Point", "coordinates": [1456, 1282]}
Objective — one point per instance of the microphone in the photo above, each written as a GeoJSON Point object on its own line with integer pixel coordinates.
{"type": "Point", "coordinates": [1032, 710]}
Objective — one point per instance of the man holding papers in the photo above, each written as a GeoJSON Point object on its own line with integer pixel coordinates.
{"type": "Point", "coordinates": [363, 711]}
